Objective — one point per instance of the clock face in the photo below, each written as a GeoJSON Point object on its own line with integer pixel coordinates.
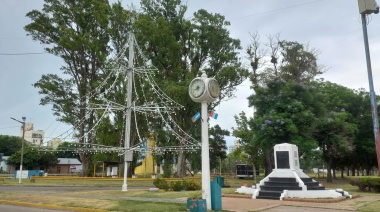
{"type": "Point", "coordinates": [197, 88]}
{"type": "Point", "coordinates": [213, 88]}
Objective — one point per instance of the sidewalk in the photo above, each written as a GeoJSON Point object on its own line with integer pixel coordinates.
{"type": "Point", "coordinates": [244, 204]}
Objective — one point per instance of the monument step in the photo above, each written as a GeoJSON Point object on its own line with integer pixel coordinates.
{"type": "Point", "coordinates": [282, 179]}
{"type": "Point", "coordinates": [279, 188]}
{"type": "Point", "coordinates": [270, 183]}
{"type": "Point", "coordinates": [305, 180]}
{"type": "Point", "coordinates": [270, 193]}
{"type": "Point", "coordinates": [268, 197]}
{"type": "Point", "coordinates": [311, 184]}
{"type": "Point", "coordinates": [316, 188]}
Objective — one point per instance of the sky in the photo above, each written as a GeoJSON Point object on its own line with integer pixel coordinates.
{"type": "Point", "coordinates": [333, 27]}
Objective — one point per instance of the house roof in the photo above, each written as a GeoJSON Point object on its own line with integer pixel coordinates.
{"type": "Point", "coordinates": [70, 161]}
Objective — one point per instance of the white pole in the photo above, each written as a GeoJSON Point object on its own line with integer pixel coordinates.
{"type": "Point", "coordinates": [206, 188]}
{"type": "Point", "coordinates": [128, 113]}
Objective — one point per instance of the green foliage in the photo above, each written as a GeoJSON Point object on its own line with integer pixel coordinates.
{"type": "Point", "coordinates": [193, 186]}
{"type": "Point", "coordinates": [48, 160]}
{"type": "Point", "coordinates": [9, 144]}
{"type": "Point", "coordinates": [176, 186]}
{"type": "Point", "coordinates": [66, 154]}
{"type": "Point", "coordinates": [218, 145]}
{"type": "Point", "coordinates": [182, 48]}
{"type": "Point", "coordinates": [31, 159]}
{"type": "Point", "coordinates": [365, 183]}
{"type": "Point", "coordinates": [161, 183]}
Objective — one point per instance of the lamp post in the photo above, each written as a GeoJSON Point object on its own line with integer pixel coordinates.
{"type": "Point", "coordinates": [367, 7]}
{"type": "Point", "coordinates": [22, 145]}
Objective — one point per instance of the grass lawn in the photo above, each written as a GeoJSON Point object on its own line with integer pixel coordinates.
{"type": "Point", "coordinates": [112, 200]}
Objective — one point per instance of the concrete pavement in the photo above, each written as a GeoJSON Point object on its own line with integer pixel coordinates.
{"type": "Point", "coordinates": [245, 204]}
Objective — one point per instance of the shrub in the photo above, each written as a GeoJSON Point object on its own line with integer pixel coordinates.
{"type": "Point", "coordinates": [366, 183]}
{"type": "Point", "coordinates": [161, 183]}
{"type": "Point", "coordinates": [193, 186]}
{"type": "Point", "coordinates": [176, 185]}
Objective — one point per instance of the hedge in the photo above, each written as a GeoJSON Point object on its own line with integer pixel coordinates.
{"type": "Point", "coordinates": [366, 183]}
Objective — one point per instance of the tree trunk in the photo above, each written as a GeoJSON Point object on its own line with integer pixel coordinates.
{"type": "Point", "coordinates": [353, 171]}
{"type": "Point", "coordinates": [329, 176]}
{"type": "Point", "coordinates": [181, 164]}
{"type": "Point", "coordinates": [342, 172]}
{"type": "Point", "coordinates": [348, 171]}
{"type": "Point", "coordinates": [268, 162]}
{"type": "Point", "coordinates": [333, 170]}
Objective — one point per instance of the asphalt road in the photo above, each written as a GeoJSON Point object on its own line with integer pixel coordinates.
{"type": "Point", "coordinates": [13, 208]}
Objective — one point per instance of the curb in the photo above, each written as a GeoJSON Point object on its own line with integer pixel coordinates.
{"type": "Point", "coordinates": [56, 207]}
{"type": "Point", "coordinates": [237, 196]}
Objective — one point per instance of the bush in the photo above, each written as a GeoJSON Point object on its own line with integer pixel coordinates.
{"type": "Point", "coordinates": [193, 186]}
{"type": "Point", "coordinates": [161, 183]}
{"type": "Point", "coordinates": [176, 186]}
{"type": "Point", "coordinates": [366, 183]}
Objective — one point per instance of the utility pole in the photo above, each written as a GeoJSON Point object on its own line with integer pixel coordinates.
{"type": "Point", "coordinates": [22, 145]}
{"type": "Point", "coordinates": [127, 153]}
{"type": "Point", "coordinates": [369, 7]}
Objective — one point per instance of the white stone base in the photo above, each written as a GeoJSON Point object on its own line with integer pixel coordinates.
{"type": "Point", "coordinates": [310, 194]}
{"type": "Point", "coordinates": [245, 190]}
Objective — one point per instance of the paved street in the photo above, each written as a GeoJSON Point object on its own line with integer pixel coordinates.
{"type": "Point", "coordinates": [13, 208]}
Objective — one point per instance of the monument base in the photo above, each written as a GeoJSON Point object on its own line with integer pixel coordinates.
{"type": "Point", "coordinates": [287, 180]}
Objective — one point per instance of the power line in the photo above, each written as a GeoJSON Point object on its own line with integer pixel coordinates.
{"type": "Point", "coordinates": [269, 11]}
{"type": "Point", "coordinates": [8, 127]}
{"type": "Point", "coordinates": [25, 53]}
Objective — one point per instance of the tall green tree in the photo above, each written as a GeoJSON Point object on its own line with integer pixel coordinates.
{"type": "Point", "coordinates": [335, 138]}
{"type": "Point", "coordinates": [9, 144]}
{"type": "Point", "coordinates": [75, 31]}
{"type": "Point", "coordinates": [181, 49]}
{"type": "Point", "coordinates": [31, 158]}
{"type": "Point", "coordinates": [245, 133]}
{"type": "Point", "coordinates": [66, 150]}
{"type": "Point", "coordinates": [48, 160]}
{"type": "Point", "coordinates": [285, 113]}
{"type": "Point", "coordinates": [218, 146]}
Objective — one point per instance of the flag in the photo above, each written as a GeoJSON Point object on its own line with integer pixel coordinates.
{"type": "Point", "coordinates": [196, 117]}
{"type": "Point", "coordinates": [213, 115]}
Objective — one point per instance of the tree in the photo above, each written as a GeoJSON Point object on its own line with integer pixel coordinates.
{"type": "Point", "coordinates": [335, 138]}
{"type": "Point", "coordinates": [218, 146]}
{"type": "Point", "coordinates": [9, 144]}
{"type": "Point", "coordinates": [285, 112]}
{"type": "Point", "coordinates": [30, 161]}
{"type": "Point", "coordinates": [181, 49]}
{"type": "Point", "coordinates": [65, 150]}
{"type": "Point", "coordinates": [244, 132]}
{"type": "Point", "coordinates": [48, 160]}
{"type": "Point", "coordinates": [75, 31]}
{"type": "Point", "coordinates": [298, 63]}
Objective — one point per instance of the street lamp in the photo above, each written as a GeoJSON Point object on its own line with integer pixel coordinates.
{"type": "Point", "coordinates": [368, 7]}
{"type": "Point", "coordinates": [22, 145]}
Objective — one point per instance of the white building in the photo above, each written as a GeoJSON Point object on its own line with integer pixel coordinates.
{"type": "Point", "coordinates": [35, 137]}
{"type": "Point", "coordinates": [54, 143]}
{"type": "Point", "coordinates": [234, 147]}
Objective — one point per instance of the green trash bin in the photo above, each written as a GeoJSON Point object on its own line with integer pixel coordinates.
{"type": "Point", "coordinates": [219, 180]}
{"type": "Point", "coordinates": [216, 196]}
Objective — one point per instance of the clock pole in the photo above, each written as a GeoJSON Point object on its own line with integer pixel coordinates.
{"type": "Point", "coordinates": [204, 93]}
{"type": "Point", "coordinates": [206, 188]}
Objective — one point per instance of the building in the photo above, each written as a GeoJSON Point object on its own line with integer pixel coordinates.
{"type": "Point", "coordinates": [35, 137]}
{"type": "Point", "coordinates": [146, 160]}
{"type": "Point", "coordinates": [4, 167]}
{"type": "Point", "coordinates": [234, 147]}
{"type": "Point", "coordinates": [66, 166]}
{"type": "Point", "coordinates": [54, 143]}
